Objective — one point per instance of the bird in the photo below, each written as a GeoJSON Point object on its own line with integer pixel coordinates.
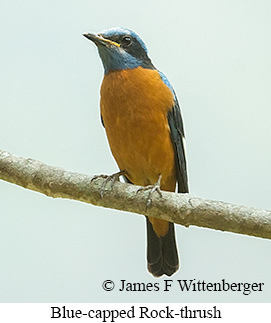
{"type": "Point", "coordinates": [143, 123]}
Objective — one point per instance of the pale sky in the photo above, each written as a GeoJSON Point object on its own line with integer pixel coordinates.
{"type": "Point", "coordinates": [216, 55]}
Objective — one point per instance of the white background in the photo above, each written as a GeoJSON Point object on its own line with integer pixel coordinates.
{"type": "Point", "coordinates": [217, 55]}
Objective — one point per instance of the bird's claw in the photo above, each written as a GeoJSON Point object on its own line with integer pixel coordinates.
{"type": "Point", "coordinates": [108, 178]}
{"type": "Point", "coordinates": [152, 188]}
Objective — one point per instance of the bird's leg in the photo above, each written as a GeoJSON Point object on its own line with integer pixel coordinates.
{"type": "Point", "coordinates": [152, 188]}
{"type": "Point", "coordinates": [108, 178]}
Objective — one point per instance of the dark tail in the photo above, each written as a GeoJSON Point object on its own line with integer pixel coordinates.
{"type": "Point", "coordinates": [162, 254]}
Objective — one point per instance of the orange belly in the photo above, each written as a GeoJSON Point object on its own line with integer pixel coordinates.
{"type": "Point", "coordinates": [134, 107]}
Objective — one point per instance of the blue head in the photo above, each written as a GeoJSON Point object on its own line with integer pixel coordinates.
{"type": "Point", "coordinates": [120, 49]}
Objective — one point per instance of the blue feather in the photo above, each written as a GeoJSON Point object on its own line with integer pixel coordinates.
{"type": "Point", "coordinates": [123, 31]}
{"type": "Point", "coordinates": [117, 58]}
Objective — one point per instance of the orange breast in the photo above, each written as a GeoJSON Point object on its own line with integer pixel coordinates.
{"type": "Point", "coordinates": [134, 107]}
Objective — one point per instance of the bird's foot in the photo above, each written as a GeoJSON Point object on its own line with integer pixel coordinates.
{"type": "Point", "coordinates": [152, 188]}
{"type": "Point", "coordinates": [108, 178]}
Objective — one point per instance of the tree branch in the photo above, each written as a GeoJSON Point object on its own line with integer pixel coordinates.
{"type": "Point", "coordinates": [183, 209]}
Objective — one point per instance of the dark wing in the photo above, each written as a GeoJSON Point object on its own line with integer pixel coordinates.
{"type": "Point", "coordinates": [177, 135]}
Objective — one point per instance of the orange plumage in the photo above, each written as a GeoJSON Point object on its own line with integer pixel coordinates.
{"type": "Point", "coordinates": [134, 107]}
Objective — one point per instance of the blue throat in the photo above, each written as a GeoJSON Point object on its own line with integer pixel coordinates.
{"type": "Point", "coordinates": [117, 60]}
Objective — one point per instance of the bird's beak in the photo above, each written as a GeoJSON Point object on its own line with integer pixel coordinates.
{"type": "Point", "coordinates": [100, 40]}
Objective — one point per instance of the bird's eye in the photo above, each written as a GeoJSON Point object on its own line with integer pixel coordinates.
{"type": "Point", "coordinates": [126, 41]}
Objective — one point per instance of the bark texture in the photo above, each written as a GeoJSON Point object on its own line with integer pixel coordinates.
{"type": "Point", "coordinates": [183, 209]}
